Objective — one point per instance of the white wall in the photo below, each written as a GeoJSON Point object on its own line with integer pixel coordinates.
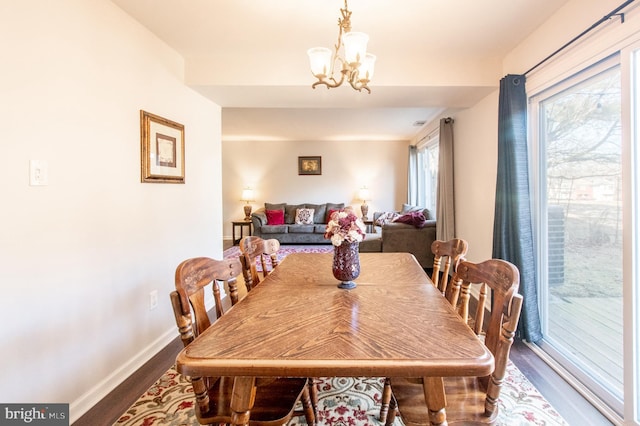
{"type": "Point", "coordinates": [476, 129]}
{"type": "Point", "coordinates": [80, 256]}
{"type": "Point", "coordinates": [476, 159]}
{"type": "Point", "coordinates": [271, 168]}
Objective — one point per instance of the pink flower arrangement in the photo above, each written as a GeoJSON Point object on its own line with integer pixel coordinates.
{"type": "Point", "coordinates": [344, 225]}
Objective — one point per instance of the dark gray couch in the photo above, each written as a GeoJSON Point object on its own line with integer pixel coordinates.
{"type": "Point", "coordinates": [290, 233]}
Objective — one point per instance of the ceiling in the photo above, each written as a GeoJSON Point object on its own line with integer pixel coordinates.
{"type": "Point", "coordinates": [249, 57]}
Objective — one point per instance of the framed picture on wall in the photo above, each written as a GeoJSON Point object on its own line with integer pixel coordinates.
{"type": "Point", "coordinates": [310, 165]}
{"type": "Point", "coordinates": [162, 149]}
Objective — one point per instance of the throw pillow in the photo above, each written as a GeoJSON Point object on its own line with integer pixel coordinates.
{"type": "Point", "coordinates": [304, 216]}
{"type": "Point", "coordinates": [290, 212]}
{"type": "Point", "coordinates": [408, 208]}
{"type": "Point", "coordinates": [319, 212]}
{"type": "Point", "coordinates": [386, 218]}
{"type": "Point", "coordinates": [334, 207]}
{"type": "Point", "coordinates": [274, 206]}
{"type": "Point", "coordinates": [416, 219]}
{"type": "Point", "coordinates": [329, 213]}
{"type": "Point", "coordinates": [275, 217]}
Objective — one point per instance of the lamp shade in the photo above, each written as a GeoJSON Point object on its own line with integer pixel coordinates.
{"type": "Point", "coordinates": [364, 194]}
{"type": "Point", "coordinates": [247, 194]}
{"type": "Point", "coordinates": [365, 72]}
{"type": "Point", "coordinates": [355, 47]}
{"type": "Point", "coordinates": [320, 61]}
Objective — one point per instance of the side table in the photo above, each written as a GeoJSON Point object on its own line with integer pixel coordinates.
{"type": "Point", "coordinates": [371, 228]}
{"type": "Point", "coordinates": [239, 224]}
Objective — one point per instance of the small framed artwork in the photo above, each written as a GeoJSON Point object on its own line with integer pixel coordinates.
{"type": "Point", "coordinates": [162, 149]}
{"type": "Point", "coordinates": [309, 165]}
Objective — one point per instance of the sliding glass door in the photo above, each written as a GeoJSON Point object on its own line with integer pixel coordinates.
{"type": "Point", "coordinates": [578, 143]}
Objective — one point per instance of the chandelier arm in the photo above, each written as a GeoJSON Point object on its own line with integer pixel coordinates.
{"type": "Point", "coordinates": [359, 85]}
{"type": "Point", "coordinates": [327, 81]}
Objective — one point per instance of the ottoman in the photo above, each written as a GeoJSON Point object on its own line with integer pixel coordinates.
{"type": "Point", "coordinates": [372, 243]}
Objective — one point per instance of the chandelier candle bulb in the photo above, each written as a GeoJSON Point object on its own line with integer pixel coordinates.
{"type": "Point", "coordinates": [355, 47]}
{"type": "Point", "coordinates": [320, 58]}
{"type": "Point", "coordinates": [365, 73]}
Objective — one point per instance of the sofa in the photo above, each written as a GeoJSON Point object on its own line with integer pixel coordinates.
{"type": "Point", "coordinates": [405, 237]}
{"type": "Point", "coordinates": [278, 220]}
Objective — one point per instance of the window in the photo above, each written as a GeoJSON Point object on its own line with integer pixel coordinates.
{"type": "Point", "coordinates": [585, 211]}
{"type": "Point", "coordinates": [428, 172]}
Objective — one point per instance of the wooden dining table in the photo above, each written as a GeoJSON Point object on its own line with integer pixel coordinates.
{"type": "Point", "coordinates": [298, 323]}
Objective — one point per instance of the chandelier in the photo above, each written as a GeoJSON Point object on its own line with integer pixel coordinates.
{"type": "Point", "coordinates": [357, 64]}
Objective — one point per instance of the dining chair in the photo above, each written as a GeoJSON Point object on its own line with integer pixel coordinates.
{"type": "Point", "coordinates": [446, 254]}
{"type": "Point", "coordinates": [253, 250]}
{"type": "Point", "coordinates": [470, 400]}
{"type": "Point", "coordinates": [275, 399]}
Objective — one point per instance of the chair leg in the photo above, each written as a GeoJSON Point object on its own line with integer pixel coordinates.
{"type": "Point", "coordinates": [308, 407]}
{"type": "Point", "coordinates": [313, 393]}
{"type": "Point", "coordinates": [386, 398]}
{"type": "Point", "coordinates": [393, 411]}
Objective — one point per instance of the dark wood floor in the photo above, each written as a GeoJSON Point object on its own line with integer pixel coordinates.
{"type": "Point", "coordinates": [569, 403]}
{"type": "Point", "coordinates": [109, 409]}
{"type": "Point", "coordinates": [572, 406]}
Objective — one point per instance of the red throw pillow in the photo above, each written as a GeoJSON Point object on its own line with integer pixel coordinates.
{"type": "Point", "coordinates": [416, 219]}
{"type": "Point", "coordinates": [275, 217]}
{"type": "Point", "coordinates": [329, 213]}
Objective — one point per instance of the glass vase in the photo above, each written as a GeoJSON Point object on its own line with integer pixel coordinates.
{"type": "Point", "coordinates": [346, 264]}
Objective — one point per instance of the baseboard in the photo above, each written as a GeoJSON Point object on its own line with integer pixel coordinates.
{"type": "Point", "coordinates": [83, 404]}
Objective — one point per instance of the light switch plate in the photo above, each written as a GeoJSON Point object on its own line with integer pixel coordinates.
{"type": "Point", "coordinates": [38, 173]}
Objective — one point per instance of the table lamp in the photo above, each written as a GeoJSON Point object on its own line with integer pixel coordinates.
{"type": "Point", "coordinates": [247, 195]}
{"type": "Point", "coordinates": [364, 195]}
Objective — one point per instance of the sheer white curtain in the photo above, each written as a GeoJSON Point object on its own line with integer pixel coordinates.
{"type": "Point", "coordinates": [413, 186]}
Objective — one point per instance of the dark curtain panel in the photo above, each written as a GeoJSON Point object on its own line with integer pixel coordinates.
{"type": "Point", "coordinates": [512, 228]}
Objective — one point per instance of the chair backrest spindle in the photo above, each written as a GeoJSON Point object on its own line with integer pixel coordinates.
{"type": "Point", "coordinates": [451, 252]}
{"type": "Point", "coordinates": [253, 250]}
{"type": "Point", "coordinates": [191, 278]}
{"type": "Point", "coordinates": [503, 279]}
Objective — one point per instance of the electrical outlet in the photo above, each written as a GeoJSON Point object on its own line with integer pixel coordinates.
{"type": "Point", "coordinates": [153, 300]}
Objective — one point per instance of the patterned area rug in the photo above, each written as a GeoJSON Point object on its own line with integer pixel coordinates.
{"type": "Point", "coordinates": [287, 249]}
{"type": "Point", "coordinates": [343, 401]}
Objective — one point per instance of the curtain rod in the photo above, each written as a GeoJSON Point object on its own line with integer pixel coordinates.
{"type": "Point", "coordinates": [429, 135]}
{"type": "Point", "coordinates": [615, 12]}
